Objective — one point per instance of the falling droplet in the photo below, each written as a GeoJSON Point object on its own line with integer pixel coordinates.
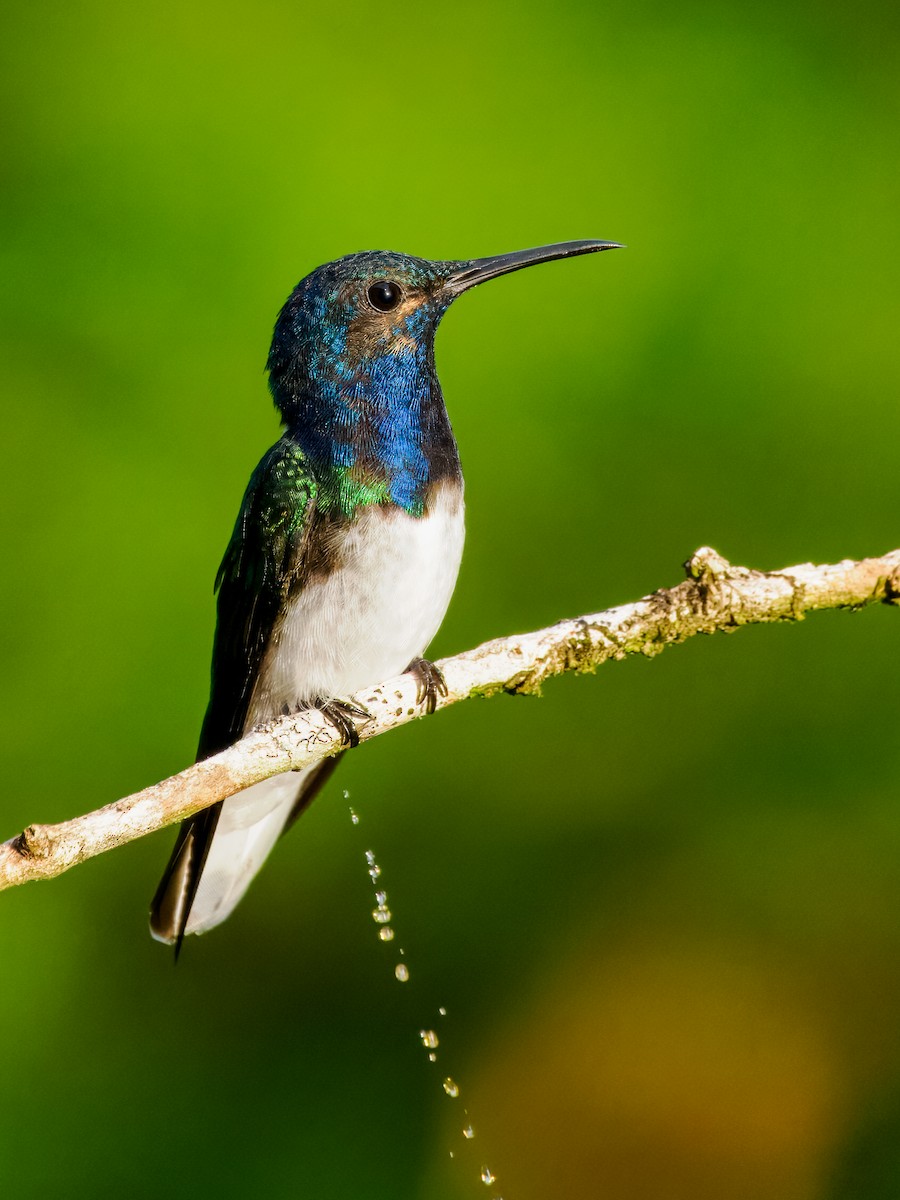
{"type": "Point", "coordinates": [370, 857]}
{"type": "Point", "coordinates": [429, 1039]}
{"type": "Point", "coordinates": [432, 1057]}
{"type": "Point", "coordinates": [468, 1132]}
{"type": "Point", "coordinates": [402, 972]}
{"type": "Point", "coordinates": [442, 1012]}
{"type": "Point", "coordinates": [346, 794]}
{"type": "Point", "coordinates": [488, 1176]}
{"type": "Point", "coordinates": [381, 915]}
{"type": "Point", "coordinates": [386, 933]}
{"type": "Point", "coordinates": [381, 898]}
{"type": "Point", "coordinates": [451, 1088]}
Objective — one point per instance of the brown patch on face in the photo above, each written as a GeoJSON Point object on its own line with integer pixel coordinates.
{"type": "Point", "coordinates": [401, 341]}
{"type": "Point", "coordinates": [371, 331]}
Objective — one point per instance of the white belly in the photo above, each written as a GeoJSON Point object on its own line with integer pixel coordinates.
{"type": "Point", "coordinates": [377, 610]}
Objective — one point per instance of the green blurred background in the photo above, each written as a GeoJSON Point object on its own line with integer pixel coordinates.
{"type": "Point", "coordinates": [661, 906]}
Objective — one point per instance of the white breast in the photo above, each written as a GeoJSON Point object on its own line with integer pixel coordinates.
{"type": "Point", "coordinates": [377, 610]}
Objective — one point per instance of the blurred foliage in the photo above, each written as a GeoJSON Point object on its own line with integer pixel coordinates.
{"type": "Point", "coordinates": [669, 948]}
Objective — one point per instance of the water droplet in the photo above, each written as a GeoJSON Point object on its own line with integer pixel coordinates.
{"type": "Point", "coordinates": [370, 857]}
{"type": "Point", "coordinates": [468, 1132]}
{"type": "Point", "coordinates": [429, 1038]}
{"type": "Point", "coordinates": [346, 794]}
{"type": "Point", "coordinates": [381, 898]}
{"type": "Point", "coordinates": [488, 1176]}
{"type": "Point", "coordinates": [381, 914]}
{"type": "Point", "coordinates": [442, 1012]}
{"type": "Point", "coordinates": [451, 1088]}
{"type": "Point", "coordinates": [386, 933]}
{"type": "Point", "coordinates": [402, 972]}
{"type": "Point", "coordinates": [432, 1057]}
{"type": "Point", "coordinates": [374, 872]}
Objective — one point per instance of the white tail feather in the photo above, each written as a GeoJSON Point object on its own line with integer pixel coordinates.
{"type": "Point", "coordinates": [249, 825]}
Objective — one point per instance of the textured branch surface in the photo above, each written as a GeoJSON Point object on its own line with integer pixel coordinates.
{"type": "Point", "coordinates": [716, 597]}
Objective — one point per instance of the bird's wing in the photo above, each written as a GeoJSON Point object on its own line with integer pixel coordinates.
{"type": "Point", "coordinates": [261, 564]}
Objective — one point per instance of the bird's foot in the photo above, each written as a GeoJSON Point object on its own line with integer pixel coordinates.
{"type": "Point", "coordinates": [430, 682]}
{"type": "Point", "coordinates": [343, 715]}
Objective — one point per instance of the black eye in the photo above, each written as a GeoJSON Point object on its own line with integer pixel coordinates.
{"type": "Point", "coordinates": [384, 295]}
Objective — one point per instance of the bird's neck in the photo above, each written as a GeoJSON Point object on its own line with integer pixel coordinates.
{"type": "Point", "coordinates": [376, 433]}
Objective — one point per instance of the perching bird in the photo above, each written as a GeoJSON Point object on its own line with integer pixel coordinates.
{"type": "Point", "coordinates": [346, 548]}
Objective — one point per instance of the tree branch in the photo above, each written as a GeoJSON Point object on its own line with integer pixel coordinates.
{"type": "Point", "coordinates": [716, 597]}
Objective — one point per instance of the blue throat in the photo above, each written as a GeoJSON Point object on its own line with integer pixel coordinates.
{"type": "Point", "coordinates": [367, 411]}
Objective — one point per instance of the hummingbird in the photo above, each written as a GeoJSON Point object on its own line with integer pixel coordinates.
{"type": "Point", "coordinates": [346, 547]}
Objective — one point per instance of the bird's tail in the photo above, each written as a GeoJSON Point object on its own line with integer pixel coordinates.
{"type": "Point", "coordinates": [220, 850]}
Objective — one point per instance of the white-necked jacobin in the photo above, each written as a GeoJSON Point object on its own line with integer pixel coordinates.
{"type": "Point", "coordinates": [346, 548]}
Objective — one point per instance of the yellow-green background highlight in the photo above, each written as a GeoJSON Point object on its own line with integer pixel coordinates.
{"type": "Point", "coordinates": [661, 905]}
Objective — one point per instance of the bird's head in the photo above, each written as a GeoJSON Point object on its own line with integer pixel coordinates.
{"type": "Point", "coordinates": [372, 316]}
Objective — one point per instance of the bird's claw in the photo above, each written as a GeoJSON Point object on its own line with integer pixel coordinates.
{"type": "Point", "coordinates": [343, 715]}
{"type": "Point", "coordinates": [430, 682]}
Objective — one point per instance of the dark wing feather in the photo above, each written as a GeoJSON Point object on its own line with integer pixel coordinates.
{"type": "Point", "coordinates": [262, 558]}
{"type": "Point", "coordinates": [260, 564]}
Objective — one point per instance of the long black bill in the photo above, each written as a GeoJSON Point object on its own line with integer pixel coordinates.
{"type": "Point", "coordinates": [477, 270]}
